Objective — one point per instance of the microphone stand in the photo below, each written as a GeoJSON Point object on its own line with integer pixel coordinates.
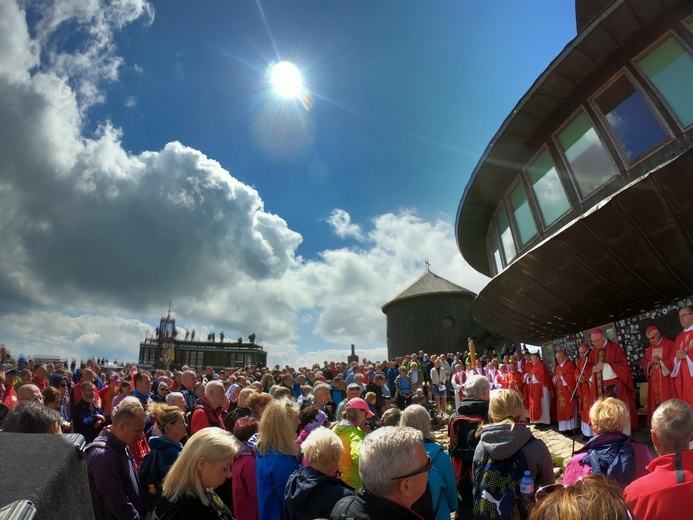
{"type": "Point", "coordinates": [573, 395]}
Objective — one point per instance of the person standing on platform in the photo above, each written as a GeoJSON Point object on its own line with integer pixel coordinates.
{"type": "Point", "coordinates": [583, 373]}
{"type": "Point", "coordinates": [611, 373]}
{"type": "Point", "coordinates": [682, 374]}
{"type": "Point", "coordinates": [513, 379]}
{"type": "Point", "coordinates": [564, 382]}
{"type": "Point", "coordinates": [540, 390]}
{"type": "Point", "coordinates": [657, 364]}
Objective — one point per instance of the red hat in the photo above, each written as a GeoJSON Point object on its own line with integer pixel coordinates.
{"type": "Point", "coordinates": [359, 404]}
{"type": "Point", "coordinates": [561, 351]}
{"type": "Point", "coordinates": [597, 331]}
{"type": "Point", "coordinates": [585, 345]}
{"type": "Point", "coordinates": [651, 328]}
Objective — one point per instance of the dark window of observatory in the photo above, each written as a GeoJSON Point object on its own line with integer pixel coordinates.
{"type": "Point", "coordinates": [631, 118]}
{"type": "Point", "coordinates": [587, 158]}
{"type": "Point", "coordinates": [506, 235]}
{"type": "Point", "coordinates": [547, 188]}
{"type": "Point", "coordinates": [670, 69]}
{"type": "Point", "coordinates": [524, 220]}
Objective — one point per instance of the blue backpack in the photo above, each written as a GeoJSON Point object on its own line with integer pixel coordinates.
{"type": "Point", "coordinates": [496, 487]}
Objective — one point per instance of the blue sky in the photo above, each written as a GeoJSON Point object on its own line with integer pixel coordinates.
{"type": "Point", "coordinates": [149, 160]}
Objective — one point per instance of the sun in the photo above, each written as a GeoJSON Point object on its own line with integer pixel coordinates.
{"type": "Point", "coordinates": [286, 80]}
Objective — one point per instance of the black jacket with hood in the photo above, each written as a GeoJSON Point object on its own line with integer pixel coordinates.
{"type": "Point", "coordinates": [311, 494]}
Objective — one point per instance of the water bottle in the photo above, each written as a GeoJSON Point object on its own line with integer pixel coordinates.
{"type": "Point", "coordinates": [527, 484]}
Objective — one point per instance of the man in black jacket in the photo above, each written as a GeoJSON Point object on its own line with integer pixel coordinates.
{"type": "Point", "coordinates": [394, 469]}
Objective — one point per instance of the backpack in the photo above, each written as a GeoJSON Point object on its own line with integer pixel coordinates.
{"type": "Point", "coordinates": [151, 476]}
{"type": "Point", "coordinates": [496, 487]}
{"type": "Point", "coordinates": [461, 430]}
{"type": "Point", "coordinates": [339, 511]}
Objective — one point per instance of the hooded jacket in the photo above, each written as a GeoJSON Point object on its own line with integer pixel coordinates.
{"type": "Point", "coordinates": [502, 441]}
{"type": "Point", "coordinates": [312, 494]}
{"type": "Point", "coordinates": [351, 437]}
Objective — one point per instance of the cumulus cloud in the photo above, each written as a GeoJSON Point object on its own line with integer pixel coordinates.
{"type": "Point", "coordinates": [340, 221]}
{"type": "Point", "coordinates": [97, 239]}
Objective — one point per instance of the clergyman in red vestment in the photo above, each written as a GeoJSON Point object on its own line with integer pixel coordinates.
{"type": "Point", "coordinates": [657, 364]}
{"type": "Point", "coordinates": [564, 383]}
{"type": "Point", "coordinates": [682, 374]}
{"type": "Point", "coordinates": [609, 361]}
{"type": "Point", "coordinates": [539, 382]}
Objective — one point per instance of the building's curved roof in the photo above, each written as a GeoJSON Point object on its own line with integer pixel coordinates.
{"type": "Point", "coordinates": [554, 95]}
{"type": "Point", "coordinates": [429, 284]}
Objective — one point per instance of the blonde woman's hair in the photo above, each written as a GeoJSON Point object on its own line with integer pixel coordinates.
{"type": "Point", "coordinates": [212, 444]}
{"type": "Point", "coordinates": [322, 446]}
{"type": "Point", "coordinates": [594, 497]}
{"type": "Point", "coordinates": [165, 414]}
{"type": "Point", "coordinates": [609, 414]}
{"type": "Point", "coordinates": [278, 428]}
{"type": "Point", "coordinates": [243, 397]}
{"type": "Point", "coordinates": [506, 407]}
{"type": "Point", "coordinates": [258, 401]}
{"type": "Point", "coordinates": [418, 418]}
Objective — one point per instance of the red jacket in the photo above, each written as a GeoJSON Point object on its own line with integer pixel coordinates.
{"type": "Point", "coordinates": [658, 495]}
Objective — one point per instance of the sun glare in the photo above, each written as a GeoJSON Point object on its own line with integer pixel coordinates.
{"type": "Point", "coordinates": [287, 83]}
{"type": "Point", "coordinates": [287, 80]}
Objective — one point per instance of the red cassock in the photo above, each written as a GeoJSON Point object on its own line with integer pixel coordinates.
{"type": "Point", "coordinates": [683, 375]}
{"type": "Point", "coordinates": [625, 390]}
{"type": "Point", "coordinates": [527, 377]}
{"type": "Point", "coordinates": [565, 373]}
{"type": "Point", "coordinates": [660, 386]}
{"type": "Point", "coordinates": [513, 381]}
{"type": "Point", "coordinates": [536, 390]}
{"type": "Point", "coordinates": [585, 398]}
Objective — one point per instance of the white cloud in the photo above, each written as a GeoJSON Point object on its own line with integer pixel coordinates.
{"type": "Point", "coordinates": [340, 221]}
{"type": "Point", "coordinates": [96, 240]}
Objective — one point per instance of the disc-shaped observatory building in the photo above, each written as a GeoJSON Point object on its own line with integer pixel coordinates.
{"type": "Point", "coordinates": [581, 207]}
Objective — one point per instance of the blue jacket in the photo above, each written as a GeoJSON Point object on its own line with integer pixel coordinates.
{"type": "Point", "coordinates": [441, 480]}
{"type": "Point", "coordinates": [273, 471]}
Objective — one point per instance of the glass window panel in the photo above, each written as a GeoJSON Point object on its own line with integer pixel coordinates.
{"type": "Point", "coordinates": [690, 25]}
{"type": "Point", "coordinates": [630, 118]}
{"type": "Point", "coordinates": [548, 189]}
{"type": "Point", "coordinates": [506, 235]}
{"type": "Point", "coordinates": [522, 213]}
{"type": "Point", "coordinates": [588, 159]}
{"type": "Point", "coordinates": [670, 68]}
{"type": "Point", "coordinates": [495, 250]}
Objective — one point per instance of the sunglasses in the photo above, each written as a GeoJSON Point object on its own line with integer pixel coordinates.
{"type": "Point", "coordinates": [425, 469]}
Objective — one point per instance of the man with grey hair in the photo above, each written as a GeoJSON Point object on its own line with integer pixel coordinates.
{"type": "Point", "coordinates": [323, 400]}
{"type": "Point", "coordinates": [394, 470]}
{"type": "Point", "coordinates": [210, 411]}
{"type": "Point", "coordinates": [667, 490]}
{"type": "Point", "coordinates": [113, 483]}
{"type": "Point", "coordinates": [176, 399]}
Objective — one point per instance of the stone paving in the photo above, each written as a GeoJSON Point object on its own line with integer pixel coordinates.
{"type": "Point", "coordinates": [559, 445]}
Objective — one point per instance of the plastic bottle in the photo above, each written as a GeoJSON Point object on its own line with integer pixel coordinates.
{"type": "Point", "coordinates": [527, 484]}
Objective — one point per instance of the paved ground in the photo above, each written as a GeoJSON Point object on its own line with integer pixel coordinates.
{"type": "Point", "coordinates": [559, 445]}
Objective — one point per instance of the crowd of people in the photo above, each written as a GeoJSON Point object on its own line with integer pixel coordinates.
{"type": "Point", "coordinates": [354, 440]}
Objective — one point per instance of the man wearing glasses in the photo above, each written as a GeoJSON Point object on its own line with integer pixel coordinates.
{"type": "Point", "coordinates": [394, 469]}
{"type": "Point", "coordinates": [658, 363]}
{"type": "Point", "coordinates": [682, 373]}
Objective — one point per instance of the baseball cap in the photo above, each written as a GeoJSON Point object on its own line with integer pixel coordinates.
{"type": "Point", "coordinates": [359, 404]}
